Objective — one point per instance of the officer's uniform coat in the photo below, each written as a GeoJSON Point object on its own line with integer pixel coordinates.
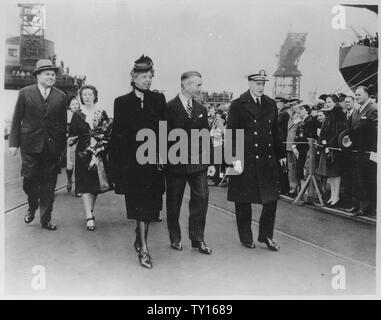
{"type": "Point", "coordinates": [258, 182]}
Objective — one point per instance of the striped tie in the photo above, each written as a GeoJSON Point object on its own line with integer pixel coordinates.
{"type": "Point", "coordinates": [189, 108]}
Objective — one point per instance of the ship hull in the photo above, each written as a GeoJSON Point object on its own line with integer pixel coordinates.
{"type": "Point", "coordinates": [359, 65]}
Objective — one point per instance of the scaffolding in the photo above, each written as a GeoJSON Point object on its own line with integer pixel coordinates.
{"type": "Point", "coordinates": [287, 76]}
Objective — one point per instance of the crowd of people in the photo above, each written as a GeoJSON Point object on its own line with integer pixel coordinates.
{"type": "Point", "coordinates": [369, 41]}
{"type": "Point", "coordinates": [102, 153]}
{"type": "Point", "coordinates": [345, 175]}
{"type": "Point", "coordinates": [343, 129]}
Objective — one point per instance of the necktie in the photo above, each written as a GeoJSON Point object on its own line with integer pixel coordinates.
{"type": "Point", "coordinates": [258, 101]}
{"type": "Point", "coordinates": [45, 93]}
{"type": "Point", "coordinates": [189, 108]}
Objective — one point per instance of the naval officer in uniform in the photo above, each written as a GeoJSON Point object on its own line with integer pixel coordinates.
{"type": "Point", "coordinates": [257, 178]}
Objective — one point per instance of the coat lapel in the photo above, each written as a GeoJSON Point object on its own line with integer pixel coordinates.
{"type": "Point", "coordinates": [256, 111]}
{"type": "Point", "coordinates": [37, 99]}
{"type": "Point", "coordinates": [52, 99]}
{"type": "Point", "coordinates": [196, 110]}
{"type": "Point", "coordinates": [249, 104]}
{"type": "Point", "coordinates": [356, 116]}
{"type": "Point", "coordinates": [179, 109]}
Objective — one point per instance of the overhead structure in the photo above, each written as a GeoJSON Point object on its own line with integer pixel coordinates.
{"type": "Point", "coordinates": [24, 51]}
{"type": "Point", "coordinates": [287, 76]}
{"type": "Point", "coordinates": [32, 35]}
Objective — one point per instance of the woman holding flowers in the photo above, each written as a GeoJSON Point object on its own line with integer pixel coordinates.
{"type": "Point", "coordinates": [91, 127]}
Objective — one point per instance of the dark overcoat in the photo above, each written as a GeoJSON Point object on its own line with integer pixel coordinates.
{"type": "Point", "coordinates": [130, 177]}
{"type": "Point", "coordinates": [37, 123]}
{"type": "Point", "coordinates": [363, 128]}
{"type": "Point", "coordinates": [258, 182]}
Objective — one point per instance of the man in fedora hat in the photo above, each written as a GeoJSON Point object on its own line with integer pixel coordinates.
{"type": "Point", "coordinates": [39, 130]}
{"type": "Point", "coordinates": [257, 179]}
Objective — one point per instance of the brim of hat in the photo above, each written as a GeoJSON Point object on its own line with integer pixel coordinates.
{"type": "Point", "coordinates": [45, 69]}
{"type": "Point", "coordinates": [341, 137]}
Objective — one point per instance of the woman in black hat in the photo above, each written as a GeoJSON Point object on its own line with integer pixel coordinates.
{"type": "Point", "coordinates": [329, 162]}
{"type": "Point", "coordinates": [141, 184]}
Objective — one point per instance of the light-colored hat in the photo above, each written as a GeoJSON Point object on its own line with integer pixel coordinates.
{"type": "Point", "coordinates": [43, 65]}
{"type": "Point", "coordinates": [259, 76]}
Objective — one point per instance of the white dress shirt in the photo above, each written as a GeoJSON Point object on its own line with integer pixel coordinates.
{"type": "Point", "coordinates": [184, 101]}
{"type": "Point", "coordinates": [361, 108]}
{"type": "Point", "coordinates": [256, 99]}
{"type": "Point", "coordinates": [44, 91]}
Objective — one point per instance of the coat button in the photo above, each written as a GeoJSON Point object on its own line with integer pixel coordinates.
{"type": "Point", "coordinates": [256, 145]}
{"type": "Point", "coordinates": [269, 144]}
{"type": "Point", "coordinates": [256, 157]}
{"type": "Point", "coordinates": [255, 121]}
{"type": "Point", "coordinates": [255, 132]}
{"type": "Point", "coordinates": [269, 121]}
{"type": "Point", "coordinates": [269, 156]}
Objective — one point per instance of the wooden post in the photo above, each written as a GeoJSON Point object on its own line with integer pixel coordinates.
{"type": "Point", "coordinates": [311, 169]}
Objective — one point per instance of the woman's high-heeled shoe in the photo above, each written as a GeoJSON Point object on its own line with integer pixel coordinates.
{"type": "Point", "coordinates": [145, 259]}
{"type": "Point", "coordinates": [90, 228]}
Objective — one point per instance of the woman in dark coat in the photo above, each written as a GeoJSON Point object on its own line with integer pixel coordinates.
{"type": "Point", "coordinates": [330, 160]}
{"type": "Point", "coordinates": [91, 127]}
{"type": "Point", "coordinates": [307, 128]}
{"type": "Point", "coordinates": [141, 184]}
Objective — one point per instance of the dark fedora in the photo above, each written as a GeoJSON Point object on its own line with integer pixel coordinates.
{"type": "Point", "coordinates": [43, 65]}
{"type": "Point", "coordinates": [343, 140]}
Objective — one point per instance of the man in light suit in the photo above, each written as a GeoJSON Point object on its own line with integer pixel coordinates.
{"type": "Point", "coordinates": [39, 130]}
{"type": "Point", "coordinates": [184, 112]}
{"type": "Point", "coordinates": [363, 134]}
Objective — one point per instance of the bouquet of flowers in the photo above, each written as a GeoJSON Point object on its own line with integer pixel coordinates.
{"type": "Point", "coordinates": [99, 137]}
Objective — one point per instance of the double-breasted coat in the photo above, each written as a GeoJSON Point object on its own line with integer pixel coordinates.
{"type": "Point", "coordinates": [258, 183]}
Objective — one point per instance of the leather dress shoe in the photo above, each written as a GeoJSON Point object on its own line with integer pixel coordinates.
{"type": "Point", "coordinates": [358, 213]}
{"type": "Point", "coordinates": [351, 210]}
{"type": "Point", "coordinates": [273, 246]}
{"type": "Point", "coordinates": [249, 245]}
{"type": "Point", "coordinates": [202, 247]}
{"type": "Point", "coordinates": [177, 246]}
{"type": "Point", "coordinates": [29, 216]}
{"type": "Point", "coordinates": [145, 259]}
{"type": "Point", "coordinates": [49, 226]}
